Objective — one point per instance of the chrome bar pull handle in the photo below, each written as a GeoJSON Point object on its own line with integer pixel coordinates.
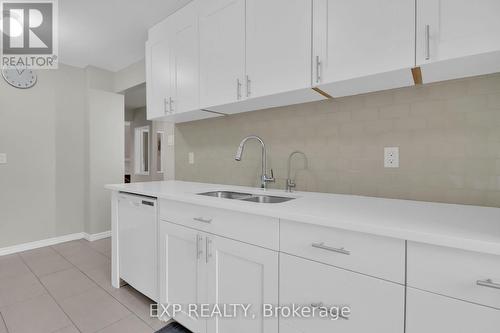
{"type": "Point", "coordinates": [427, 42]}
{"type": "Point", "coordinates": [488, 283]}
{"type": "Point", "coordinates": [318, 70]}
{"type": "Point", "coordinates": [165, 105]}
{"type": "Point", "coordinates": [199, 249]}
{"type": "Point", "coordinates": [249, 86]}
{"type": "Point", "coordinates": [171, 104]}
{"type": "Point", "coordinates": [331, 249]}
{"type": "Point", "coordinates": [201, 219]}
{"type": "Point", "coordinates": [238, 89]}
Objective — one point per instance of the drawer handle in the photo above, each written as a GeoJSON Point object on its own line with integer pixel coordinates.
{"type": "Point", "coordinates": [201, 219]}
{"type": "Point", "coordinates": [332, 249]}
{"type": "Point", "coordinates": [488, 283]}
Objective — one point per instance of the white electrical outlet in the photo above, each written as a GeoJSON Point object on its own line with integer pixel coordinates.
{"type": "Point", "coordinates": [391, 157]}
{"type": "Point", "coordinates": [3, 158]}
{"type": "Point", "coordinates": [191, 158]}
{"type": "Point", "coordinates": [170, 140]}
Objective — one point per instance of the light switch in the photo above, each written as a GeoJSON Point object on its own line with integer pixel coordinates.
{"type": "Point", "coordinates": [3, 158]}
{"type": "Point", "coordinates": [191, 158]}
{"type": "Point", "coordinates": [391, 157]}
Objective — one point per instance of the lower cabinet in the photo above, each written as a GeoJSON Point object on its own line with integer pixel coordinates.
{"type": "Point", "coordinates": [201, 268]}
{"type": "Point", "coordinates": [431, 313]}
{"type": "Point", "coordinates": [239, 273]}
{"type": "Point", "coordinates": [182, 271]}
{"type": "Point", "coordinates": [375, 305]}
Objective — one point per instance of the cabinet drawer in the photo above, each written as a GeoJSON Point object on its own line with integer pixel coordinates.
{"type": "Point", "coordinates": [376, 305]}
{"type": "Point", "coordinates": [254, 229]}
{"type": "Point", "coordinates": [454, 273]}
{"type": "Point", "coordinates": [431, 313]}
{"type": "Point", "coordinates": [372, 255]}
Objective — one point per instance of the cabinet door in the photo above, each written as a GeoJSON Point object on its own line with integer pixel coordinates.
{"type": "Point", "coordinates": [452, 32]}
{"type": "Point", "coordinates": [360, 38]}
{"type": "Point", "coordinates": [222, 51]}
{"type": "Point", "coordinates": [239, 273]}
{"type": "Point", "coordinates": [159, 78]}
{"type": "Point", "coordinates": [431, 313]}
{"type": "Point", "coordinates": [376, 305]}
{"type": "Point", "coordinates": [182, 271]}
{"type": "Point", "coordinates": [278, 46]}
{"type": "Point", "coordinates": [185, 60]}
{"type": "Point", "coordinates": [457, 28]}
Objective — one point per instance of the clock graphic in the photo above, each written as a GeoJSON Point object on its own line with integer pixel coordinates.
{"type": "Point", "coordinates": [22, 78]}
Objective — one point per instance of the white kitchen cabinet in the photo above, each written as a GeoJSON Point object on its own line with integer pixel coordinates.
{"type": "Point", "coordinates": [441, 270]}
{"type": "Point", "coordinates": [376, 305]}
{"type": "Point", "coordinates": [185, 59]}
{"type": "Point", "coordinates": [457, 38]}
{"type": "Point", "coordinates": [159, 77]}
{"type": "Point", "coordinates": [278, 46]}
{"type": "Point", "coordinates": [240, 273]}
{"type": "Point", "coordinates": [222, 51]}
{"type": "Point", "coordinates": [362, 46]}
{"type": "Point", "coordinates": [182, 271]}
{"type": "Point", "coordinates": [198, 267]}
{"type": "Point", "coordinates": [381, 257]}
{"type": "Point", "coordinates": [431, 313]}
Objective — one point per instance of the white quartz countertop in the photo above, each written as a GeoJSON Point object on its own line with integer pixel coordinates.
{"type": "Point", "coordinates": [459, 226]}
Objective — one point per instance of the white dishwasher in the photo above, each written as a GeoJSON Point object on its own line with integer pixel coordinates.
{"type": "Point", "coordinates": [137, 231]}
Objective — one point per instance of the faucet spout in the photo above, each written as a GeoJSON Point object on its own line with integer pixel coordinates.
{"type": "Point", "coordinates": [290, 183]}
{"type": "Point", "coordinates": [264, 179]}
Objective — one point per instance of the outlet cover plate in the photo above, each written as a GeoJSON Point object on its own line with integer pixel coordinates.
{"type": "Point", "coordinates": [391, 157]}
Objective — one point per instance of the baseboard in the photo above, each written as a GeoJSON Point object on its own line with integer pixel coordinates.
{"type": "Point", "coordinates": [52, 241]}
{"type": "Point", "coordinates": [94, 237]}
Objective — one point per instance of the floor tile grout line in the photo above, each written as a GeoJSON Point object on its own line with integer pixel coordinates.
{"type": "Point", "coordinates": [53, 298]}
{"type": "Point", "coordinates": [27, 298]}
{"type": "Point", "coordinates": [109, 293]}
{"type": "Point", "coordinates": [4, 323]}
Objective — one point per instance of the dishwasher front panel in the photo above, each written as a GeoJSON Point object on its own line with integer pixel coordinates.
{"type": "Point", "coordinates": [137, 244]}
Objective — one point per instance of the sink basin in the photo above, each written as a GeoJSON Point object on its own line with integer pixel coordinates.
{"type": "Point", "coordinates": [227, 194]}
{"type": "Point", "coordinates": [246, 196]}
{"type": "Point", "coordinates": [267, 199]}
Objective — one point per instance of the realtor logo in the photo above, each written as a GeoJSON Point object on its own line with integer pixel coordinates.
{"type": "Point", "coordinates": [29, 34]}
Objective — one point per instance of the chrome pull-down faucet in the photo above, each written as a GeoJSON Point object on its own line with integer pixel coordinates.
{"type": "Point", "coordinates": [290, 183]}
{"type": "Point", "coordinates": [264, 179]}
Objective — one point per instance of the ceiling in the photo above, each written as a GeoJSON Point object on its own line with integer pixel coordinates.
{"type": "Point", "coordinates": [109, 34]}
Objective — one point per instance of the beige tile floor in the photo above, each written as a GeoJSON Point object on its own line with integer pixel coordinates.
{"type": "Point", "coordinates": [66, 288]}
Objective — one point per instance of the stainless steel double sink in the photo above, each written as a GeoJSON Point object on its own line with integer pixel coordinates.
{"type": "Point", "coordinates": [246, 196]}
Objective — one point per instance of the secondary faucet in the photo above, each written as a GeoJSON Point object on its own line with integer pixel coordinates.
{"type": "Point", "coordinates": [264, 179]}
{"type": "Point", "coordinates": [290, 183]}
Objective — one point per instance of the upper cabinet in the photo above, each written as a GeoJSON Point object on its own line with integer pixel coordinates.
{"type": "Point", "coordinates": [218, 57]}
{"type": "Point", "coordinates": [457, 38]}
{"type": "Point", "coordinates": [362, 46]}
{"type": "Point", "coordinates": [222, 51]}
{"type": "Point", "coordinates": [184, 57]}
{"type": "Point", "coordinates": [278, 46]}
{"type": "Point", "coordinates": [158, 77]}
{"type": "Point", "coordinates": [172, 67]}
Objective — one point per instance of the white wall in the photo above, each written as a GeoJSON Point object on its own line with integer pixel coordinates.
{"type": "Point", "coordinates": [106, 147]}
{"type": "Point", "coordinates": [130, 76]}
{"type": "Point", "coordinates": [42, 186]}
{"type": "Point", "coordinates": [63, 141]}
